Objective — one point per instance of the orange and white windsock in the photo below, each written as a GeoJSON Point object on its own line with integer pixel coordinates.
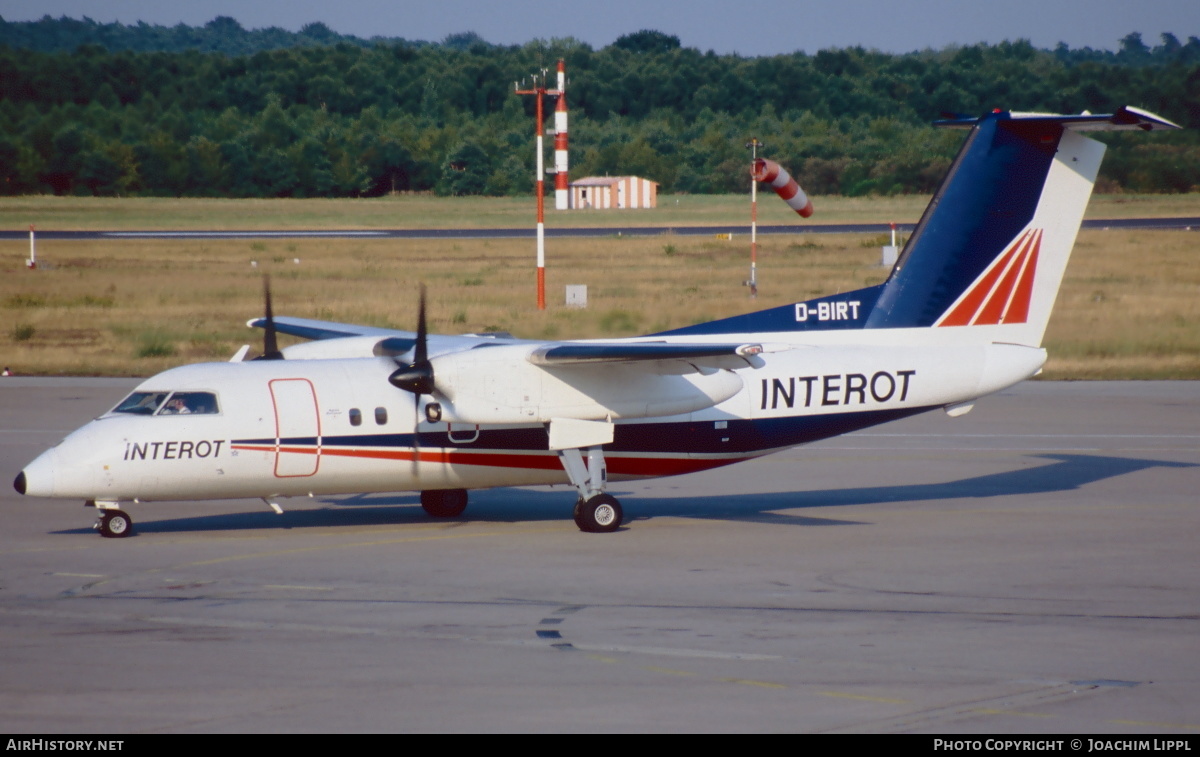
{"type": "Point", "coordinates": [560, 141]}
{"type": "Point", "coordinates": [770, 172]}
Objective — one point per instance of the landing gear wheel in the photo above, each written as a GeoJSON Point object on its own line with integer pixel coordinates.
{"type": "Point", "coordinates": [599, 515]}
{"type": "Point", "coordinates": [114, 524]}
{"type": "Point", "coordinates": [444, 503]}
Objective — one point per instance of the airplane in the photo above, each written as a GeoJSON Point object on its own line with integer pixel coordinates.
{"type": "Point", "coordinates": [359, 409]}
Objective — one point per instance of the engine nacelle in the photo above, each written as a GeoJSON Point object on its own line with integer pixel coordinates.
{"type": "Point", "coordinates": [499, 385]}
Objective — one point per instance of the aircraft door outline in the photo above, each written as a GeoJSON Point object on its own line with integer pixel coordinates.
{"type": "Point", "coordinates": [297, 427]}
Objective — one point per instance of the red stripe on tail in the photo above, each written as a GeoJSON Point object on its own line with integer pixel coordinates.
{"type": "Point", "coordinates": [1003, 293]}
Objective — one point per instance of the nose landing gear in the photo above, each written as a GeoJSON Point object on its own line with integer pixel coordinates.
{"type": "Point", "coordinates": [114, 524]}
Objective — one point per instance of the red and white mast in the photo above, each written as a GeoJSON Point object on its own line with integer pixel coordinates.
{"type": "Point", "coordinates": [539, 91]}
{"type": "Point", "coordinates": [753, 144]}
{"type": "Point", "coordinates": [770, 172]}
{"type": "Point", "coordinates": [560, 164]}
{"type": "Point", "coordinates": [561, 190]}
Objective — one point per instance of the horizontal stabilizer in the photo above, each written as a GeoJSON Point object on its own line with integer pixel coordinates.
{"type": "Point", "coordinates": [1126, 118]}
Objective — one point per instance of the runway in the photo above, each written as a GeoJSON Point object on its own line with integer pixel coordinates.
{"type": "Point", "coordinates": [1031, 567]}
{"type": "Point", "coordinates": [1183, 223]}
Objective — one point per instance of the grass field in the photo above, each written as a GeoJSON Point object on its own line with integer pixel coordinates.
{"type": "Point", "coordinates": [427, 211]}
{"type": "Point", "coordinates": [422, 211]}
{"type": "Point", "coordinates": [1130, 305]}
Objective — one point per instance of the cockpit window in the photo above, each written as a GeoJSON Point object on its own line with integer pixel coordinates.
{"type": "Point", "coordinates": [190, 403]}
{"type": "Point", "coordinates": [166, 403]}
{"type": "Point", "coordinates": [141, 403]}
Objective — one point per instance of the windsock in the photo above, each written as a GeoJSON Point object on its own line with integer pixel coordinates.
{"type": "Point", "coordinates": [770, 172]}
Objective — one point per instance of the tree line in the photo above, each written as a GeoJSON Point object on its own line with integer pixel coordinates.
{"type": "Point", "coordinates": [322, 115]}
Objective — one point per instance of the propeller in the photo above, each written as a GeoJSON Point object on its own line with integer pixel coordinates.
{"type": "Point", "coordinates": [416, 377]}
{"type": "Point", "coordinates": [270, 344]}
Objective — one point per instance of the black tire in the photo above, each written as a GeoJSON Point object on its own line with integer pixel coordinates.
{"type": "Point", "coordinates": [115, 524]}
{"type": "Point", "coordinates": [444, 503]}
{"type": "Point", "coordinates": [601, 514]}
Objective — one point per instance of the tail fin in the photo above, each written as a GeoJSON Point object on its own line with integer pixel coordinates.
{"type": "Point", "coordinates": [992, 246]}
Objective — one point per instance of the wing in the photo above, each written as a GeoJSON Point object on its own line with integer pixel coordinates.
{"type": "Point", "coordinates": [574, 353]}
{"type": "Point", "coordinates": [383, 341]}
{"type": "Point", "coordinates": [306, 328]}
{"type": "Point", "coordinates": [330, 339]}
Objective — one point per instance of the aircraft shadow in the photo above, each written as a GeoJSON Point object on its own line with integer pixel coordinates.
{"type": "Point", "coordinates": [1066, 472]}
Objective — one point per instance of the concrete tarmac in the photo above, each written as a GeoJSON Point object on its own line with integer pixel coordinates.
{"type": "Point", "coordinates": [1030, 567]}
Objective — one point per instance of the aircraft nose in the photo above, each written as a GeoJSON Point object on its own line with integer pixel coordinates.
{"type": "Point", "coordinates": [37, 478]}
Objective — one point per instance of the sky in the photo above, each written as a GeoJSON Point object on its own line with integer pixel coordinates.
{"type": "Point", "coordinates": [745, 27]}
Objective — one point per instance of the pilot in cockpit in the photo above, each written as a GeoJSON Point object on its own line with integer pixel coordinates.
{"type": "Point", "coordinates": [176, 406]}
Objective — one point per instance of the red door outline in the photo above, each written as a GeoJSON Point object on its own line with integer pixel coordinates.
{"type": "Point", "coordinates": [297, 417]}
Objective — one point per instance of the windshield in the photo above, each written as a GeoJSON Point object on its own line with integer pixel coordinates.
{"type": "Point", "coordinates": [180, 403]}
{"type": "Point", "coordinates": [190, 403]}
{"type": "Point", "coordinates": [141, 403]}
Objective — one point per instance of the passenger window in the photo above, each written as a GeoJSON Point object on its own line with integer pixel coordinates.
{"type": "Point", "coordinates": [141, 403]}
{"type": "Point", "coordinates": [381, 416]}
{"type": "Point", "coordinates": [355, 417]}
{"type": "Point", "coordinates": [190, 403]}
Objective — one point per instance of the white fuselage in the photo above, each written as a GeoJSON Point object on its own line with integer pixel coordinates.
{"type": "Point", "coordinates": [298, 427]}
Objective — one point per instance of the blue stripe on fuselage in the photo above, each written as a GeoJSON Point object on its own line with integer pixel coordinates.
{"type": "Point", "coordinates": [848, 310]}
{"type": "Point", "coordinates": [738, 436]}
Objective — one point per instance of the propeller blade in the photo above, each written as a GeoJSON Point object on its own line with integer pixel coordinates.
{"type": "Point", "coordinates": [417, 377]}
{"type": "Point", "coordinates": [420, 352]}
{"type": "Point", "coordinates": [420, 379]}
{"type": "Point", "coordinates": [270, 343]}
{"type": "Point", "coordinates": [416, 434]}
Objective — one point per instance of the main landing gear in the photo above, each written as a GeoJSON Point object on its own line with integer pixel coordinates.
{"type": "Point", "coordinates": [112, 523]}
{"type": "Point", "coordinates": [595, 512]}
{"type": "Point", "coordinates": [599, 515]}
{"type": "Point", "coordinates": [444, 503]}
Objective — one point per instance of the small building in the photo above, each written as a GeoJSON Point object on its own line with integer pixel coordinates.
{"type": "Point", "coordinates": [613, 192]}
